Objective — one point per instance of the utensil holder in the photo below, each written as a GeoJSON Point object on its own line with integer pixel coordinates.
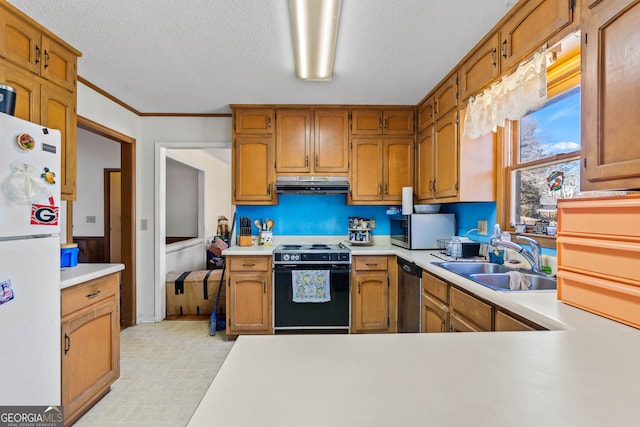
{"type": "Point", "coordinates": [266, 238]}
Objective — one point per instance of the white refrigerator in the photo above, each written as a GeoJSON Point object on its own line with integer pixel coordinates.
{"type": "Point", "coordinates": [29, 263]}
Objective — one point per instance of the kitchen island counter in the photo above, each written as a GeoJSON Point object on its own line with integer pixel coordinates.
{"type": "Point", "coordinates": [581, 372]}
{"type": "Point", "coordinates": [84, 272]}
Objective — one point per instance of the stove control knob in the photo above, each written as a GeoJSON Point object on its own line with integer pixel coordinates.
{"type": "Point", "coordinates": [295, 257]}
{"type": "Point", "coordinates": [285, 257]}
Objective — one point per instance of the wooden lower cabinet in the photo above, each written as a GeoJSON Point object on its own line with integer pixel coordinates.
{"type": "Point", "coordinates": [374, 294]}
{"type": "Point", "coordinates": [248, 296]}
{"type": "Point", "coordinates": [435, 304]}
{"type": "Point", "coordinates": [446, 308]}
{"type": "Point", "coordinates": [506, 322]}
{"type": "Point", "coordinates": [90, 338]}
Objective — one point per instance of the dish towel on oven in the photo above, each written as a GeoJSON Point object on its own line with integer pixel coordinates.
{"type": "Point", "coordinates": [311, 285]}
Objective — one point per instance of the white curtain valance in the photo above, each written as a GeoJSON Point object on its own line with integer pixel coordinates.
{"type": "Point", "coordinates": [509, 99]}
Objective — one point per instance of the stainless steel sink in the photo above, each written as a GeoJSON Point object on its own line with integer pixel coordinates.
{"type": "Point", "coordinates": [494, 276]}
{"type": "Point", "coordinates": [500, 282]}
{"type": "Point", "coordinates": [466, 268]}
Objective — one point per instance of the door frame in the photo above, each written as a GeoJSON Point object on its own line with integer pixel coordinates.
{"type": "Point", "coordinates": [128, 168]}
{"type": "Point", "coordinates": [161, 210]}
{"type": "Point", "coordinates": [107, 210]}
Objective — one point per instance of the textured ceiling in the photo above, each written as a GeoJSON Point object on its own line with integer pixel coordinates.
{"type": "Point", "coordinates": [199, 56]}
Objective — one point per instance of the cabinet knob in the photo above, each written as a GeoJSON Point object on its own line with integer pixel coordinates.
{"type": "Point", "coordinates": [38, 54]}
{"type": "Point", "coordinates": [93, 295]}
{"type": "Point", "coordinates": [67, 343]}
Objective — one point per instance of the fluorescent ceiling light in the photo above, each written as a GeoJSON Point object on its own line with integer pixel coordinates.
{"type": "Point", "coordinates": [314, 28]}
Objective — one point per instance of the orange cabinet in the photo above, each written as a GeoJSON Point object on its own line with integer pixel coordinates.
{"type": "Point", "coordinates": [598, 252]}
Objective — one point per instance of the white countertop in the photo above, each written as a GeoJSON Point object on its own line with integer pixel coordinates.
{"type": "Point", "coordinates": [70, 276]}
{"type": "Point", "coordinates": [584, 372]}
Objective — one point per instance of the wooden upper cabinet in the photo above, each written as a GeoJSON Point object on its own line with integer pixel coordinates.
{"type": "Point", "coordinates": [57, 109]}
{"type": "Point", "coordinates": [481, 68]}
{"type": "Point", "coordinates": [366, 169]}
{"type": "Point", "coordinates": [398, 154]}
{"type": "Point", "coordinates": [426, 116]}
{"type": "Point", "coordinates": [253, 172]}
{"type": "Point", "coordinates": [331, 137]}
{"type": "Point", "coordinates": [610, 101]}
{"type": "Point", "coordinates": [382, 122]}
{"type": "Point", "coordinates": [531, 26]}
{"type": "Point", "coordinates": [257, 121]}
{"type": "Point", "coordinates": [366, 122]}
{"type": "Point", "coordinates": [446, 96]}
{"type": "Point", "coordinates": [27, 46]}
{"type": "Point", "coordinates": [445, 184]}
{"type": "Point", "coordinates": [293, 141]}
{"type": "Point", "coordinates": [27, 91]}
{"type": "Point", "coordinates": [423, 179]}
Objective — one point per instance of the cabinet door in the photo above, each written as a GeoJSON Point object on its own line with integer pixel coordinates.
{"type": "Point", "coordinates": [258, 121]}
{"type": "Point", "coordinates": [293, 141]}
{"type": "Point", "coordinates": [20, 41]}
{"type": "Point", "coordinates": [446, 97]}
{"type": "Point", "coordinates": [371, 297]}
{"type": "Point", "coordinates": [27, 91]}
{"type": "Point", "coordinates": [331, 149]}
{"type": "Point", "coordinates": [366, 122]}
{"type": "Point", "coordinates": [90, 355]}
{"type": "Point", "coordinates": [248, 303]}
{"type": "Point", "coordinates": [533, 24]}
{"type": "Point", "coordinates": [58, 112]}
{"type": "Point", "coordinates": [253, 170]}
{"type": "Point", "coordinates": [435, 314]}
{"type": "Point", "coordinates": [481, 68]}
{"type": "Point", "coordinates": [366, 169]}
{"type": "Point", "coordinates": [426, 114]}
{"type": "Point", "coordinates": [610, 101]}
{"type": "Point", "coordinates": [398, 122]}
{"type": "Point", "coordinates": [504, 322]}
{"type": "Point", "coordinates": [469, 313]}
{"type": "Point", "coordinates": [424, 165]}
{"type": "Point", "coordinates": [398, 167]}
{"type": "Point", "coordinates": [445, 182]}
{"type": "Point", "coordinates": [58, 64]}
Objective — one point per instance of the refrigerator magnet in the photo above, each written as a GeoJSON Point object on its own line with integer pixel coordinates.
{"type": "Point", "coordinates": [25, 142]}
{"type": "Point", "coordinates": [6, 293]}
{"type": "Point", "coordinates": [48, 176]}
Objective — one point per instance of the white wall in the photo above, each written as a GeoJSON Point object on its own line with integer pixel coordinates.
{"type": "Point", "coordinates": [182, 200]}
{"type": "Point", "coordinates": [146, 131]}
{"type": "Point", "coordinates": [94, 154]}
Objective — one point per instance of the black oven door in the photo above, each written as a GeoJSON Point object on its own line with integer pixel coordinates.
{"type": "Point", "coordinates": [330, 315]}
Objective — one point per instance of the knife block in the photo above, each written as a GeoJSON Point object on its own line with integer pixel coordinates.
{"type": "Point", "coordinates": [244, 240]}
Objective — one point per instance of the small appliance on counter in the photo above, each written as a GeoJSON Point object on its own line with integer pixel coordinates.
{"type": "Point", "coordinates": [7, 100]}
{"type": "Point", "coordinates": [421, 231]}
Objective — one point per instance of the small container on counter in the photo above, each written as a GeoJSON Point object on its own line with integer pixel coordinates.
{"type": "Point", "coordinates": [69, 255]}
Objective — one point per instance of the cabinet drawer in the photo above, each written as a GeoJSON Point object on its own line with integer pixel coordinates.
{"type": "Point", "coordinates": [436, 287]}
{"type": "Point", "coordinates": [84, 294]}
{"type": "Point", "coordinates": [370, 263]}
{"type": "Point", "coordinates": [249, 264]}
{"type": "Point", "coordinates": [615, 258]}
{"type": "Point", "coordinates": [615, 300]}
{"type": "Point", "coordinates": [471, 308]}
{"type": "Point", "coordinates": [616, 216]}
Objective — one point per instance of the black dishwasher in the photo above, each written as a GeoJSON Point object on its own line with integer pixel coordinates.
{"type": "Point", "coordinates": [409, 293]}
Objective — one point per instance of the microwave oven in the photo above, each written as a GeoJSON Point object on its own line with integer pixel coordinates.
{"type": "Point", "coordinates": [421, 231]}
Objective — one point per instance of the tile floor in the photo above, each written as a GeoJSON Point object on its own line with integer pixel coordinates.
{"type": "Point", "coordinates": [165, 369]}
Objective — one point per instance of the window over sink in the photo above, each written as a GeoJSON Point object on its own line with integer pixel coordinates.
{"type": "Point", "coordinates": [541, 151]}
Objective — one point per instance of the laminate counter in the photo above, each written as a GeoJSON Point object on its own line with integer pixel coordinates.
{"type": "Point", "coordinates": [583, 371]}
{"type": "Point", "coordinates": [70, 276]}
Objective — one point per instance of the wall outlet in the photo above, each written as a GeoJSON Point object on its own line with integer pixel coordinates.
{"type": "Point", "coordinates": [91, 219]}
{"type": "Point", "coordinates": [482, 228]}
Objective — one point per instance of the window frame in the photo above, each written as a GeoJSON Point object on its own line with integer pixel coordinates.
{"type": "Point", "coordinates": [562, 75]}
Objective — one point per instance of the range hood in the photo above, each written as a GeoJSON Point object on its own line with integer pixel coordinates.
{"type": "Point", "coordinates": [312, 185]}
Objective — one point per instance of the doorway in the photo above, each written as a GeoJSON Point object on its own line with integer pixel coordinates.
{"type": "Point", "coordinates": [113, 215]}
{"type": "Point", "coordinates": [127, 215]}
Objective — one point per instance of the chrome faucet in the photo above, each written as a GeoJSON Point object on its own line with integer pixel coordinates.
{"type": "Point", "coordinates": [534, 256]}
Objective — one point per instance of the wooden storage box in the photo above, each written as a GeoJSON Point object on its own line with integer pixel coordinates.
{"type": "Point", "coordinates": [194, 292]}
